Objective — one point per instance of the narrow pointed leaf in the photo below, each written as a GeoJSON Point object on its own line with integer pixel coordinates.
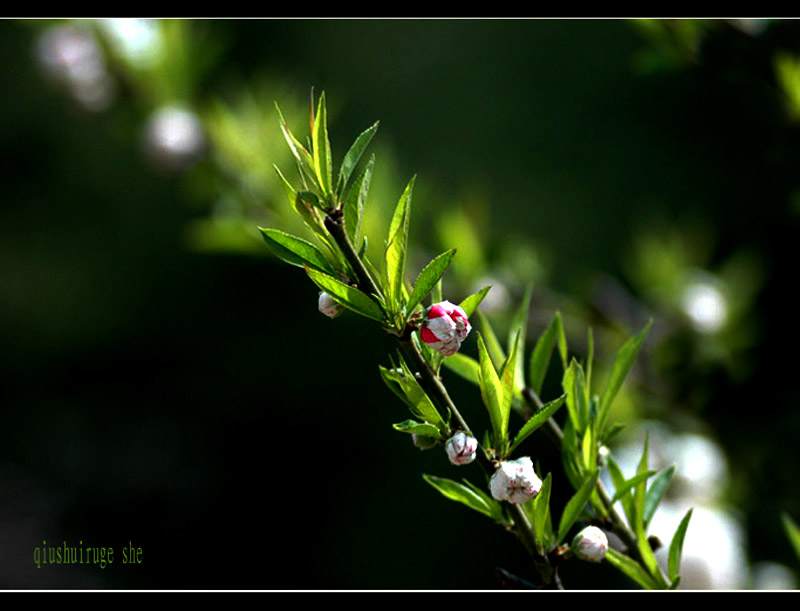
{"type": "Point", "coordinates": [518, 328]}
{"type": "Point", "coordinates": [470, 304]}
{"type": "Point", "coordinates": [428, 277]}
{"type": "Point", "coordinates": [395, 256]}
{"type": "Point", "coordinates": [508, 380]}
{"type": "Point", "coordinates": [462, 494]}
{"type": "Point", "coordinates": [491, 392]}
{"type": "Point", "coordinates": [575, 506]}
{"type": "Point", "coordinates": [624, 496]}
{"type": "Point", "coordinates": [792, 531]}
{"type": "Point", "coordinates": [655, 492]}
{"type": "Point", "coordinates": [348, 296]}
{"type": "Point", "coordinates": [630, 483]}
{"type": "Point", "coordinates": [353, 155]}
{"type": "Point", "coordinates": [492, 343]}
{"type": "Point", "coordinates": [294, 250]}
{"type": "Point", "coordinates": [540, 357]}
{"type": "Point", "coordinates": [418, 428]}
{"type": "Point", "coordinates": [322, 147]}
{"type": "Point", "coordinates": [418, 401]}
{"type": "Point", "coordinates": [631, 568]}
{"type": "Point", "coordinates": [536, 421]}
{"type": "Point", "coordinates": [542, 521]}
{"type": "Point", "coordinates": [676, 547]}
{"type": "Point", "coordinates": [622, 366]}
{"type": "Point", "coordinates": [465, 366]}
{"type": "Point", "coordinates": [354, 202]}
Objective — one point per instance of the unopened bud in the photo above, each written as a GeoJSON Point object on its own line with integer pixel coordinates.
{"type": "Point", "coordinates": [515, 481]}
{"type": "Point", "coordinates": [445, 327]}
{"type": "Point", "coordinates": [328, 306]}
{"type": "Point", "coordinates": [461, 448]}
{"type": "Point", "coordinates": [590, 544]}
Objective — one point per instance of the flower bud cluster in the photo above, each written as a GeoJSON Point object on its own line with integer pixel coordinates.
{"type": "Point", "coordinates": [444, 328]}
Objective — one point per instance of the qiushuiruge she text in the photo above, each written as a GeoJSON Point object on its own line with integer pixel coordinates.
{"type": "Point", "coordinates": [78, 554]}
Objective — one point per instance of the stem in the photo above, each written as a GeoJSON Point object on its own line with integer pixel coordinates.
{"type": "Point", "coordinates": [334, 223]}
{"type": "Point", "coordinates": [433, 385]}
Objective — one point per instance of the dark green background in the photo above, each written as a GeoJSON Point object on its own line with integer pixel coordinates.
{"type": "Point", "coordinates": [198, 406]}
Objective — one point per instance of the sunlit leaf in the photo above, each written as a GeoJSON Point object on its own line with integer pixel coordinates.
{"type": "Point", "coordinates": [470, 303]}
{"type": "Point", "coordinates": [655, 493]}
{"type": "Point", "coordinates": [467, 496]}
{"type": "Point", "coordinates": [576, 505]}
{"type": "Point", "coordinates": [348, 296]}
{"type": "Point", "coordinates": [354, 202]}
{"type": "Point", "coordinates": [322, 147]}
{"type": "Point", "coordinates": [622, 365]}
{"type": "Point", "coordinates": [353, 155]}
{"type": "Point", "coordinates": [465, 366]}
{"type": "Point", "coordinates": [491, 392]}
{"type": "Point", "coordinates": [294, 250]}
{"type": "Point", "coordinates": [395, 256]}
{"type": "Point", "coordinates": [418, 428]}
{"type": "Point", "coordinates": [540, 357]}
{"type": "Point", "coordinates": [428, 277]}
{"type": "Point", "coordinates": [537, 420]}
{"type": "Point", "coordinates": [676, 547]}
{"type": "Point", "coordinates": [631, 568]}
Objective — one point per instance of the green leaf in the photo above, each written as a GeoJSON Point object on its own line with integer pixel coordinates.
{"type": "Point", "coordinates": [492, 393]}
{"type": "Point", "coordinates": [536, 421]}
{"type": "Point", "coordinates": [618, 479]}
{"type": "Point", "coordinates": [395, 255]}
{"type": "Point", "coordinates": [428, 277]}
{"type": "Point", "coordinates": [507, 380]}
{"type": "Point", "coordinates": [655, 493]}
{"type": "Point", "coordinates": [467, 496]}
{"type": "Point", "coordinates": [562, 341]}
{"type": "Point", "coordinates": [575, 506]}
{"type": "Point", "coordinates": [353, 155]}
{"type": "Point", "coordinates": [471, 303]}
{"type": "Point", "coordinates": [631, 568]}
{"type": "Point", "coordinates": [322, 147]}
{"type": "Point", "coordinates": [417, 399]}
{"type": "Point", "coordinates": [492, 343]}
{"type": "Point", "coordinates": [639, 493]}
{"type": "Point", "coordinates": [676, 547]}
{"type": "Point", "coordinates": [518, 328]}
{"type": "Point", "coordinates": [348, 296]}
{"type": "Point", "coordinates": [630, 483]}
{"type": "Point", "coordinates": [542, 521]}
{"type": "Point", "coordinates": [419, 428]}
{"type": "Point", "coordinates": [792, 531]}
{"type": "Point", "coordinates": [354, 202]}
{"type": "Point", "coordinates": [294, 250]}
{"type": "Point", "coordinates": [540, 357]}
{"type": "Point", "coordinates": [465, 366]}
{"type": "Point", "coordinates": [305, 162]}
{"type": "Point", "coordinates": [622, 365]}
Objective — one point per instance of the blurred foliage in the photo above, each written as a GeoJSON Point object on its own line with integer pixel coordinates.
{"type": "Point", "coordinates": [626, 169]}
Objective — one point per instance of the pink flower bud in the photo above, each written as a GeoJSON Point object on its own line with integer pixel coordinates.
{"type": "Point", "coordinates": [461, 448]}
{"type": "Point", "coordinates": [328, 306]}
{"type": "Point", "coordinates": [515, 481]}
{"type": "Point", "coordinates": [445, 327]}
{"type": "Point", "coordinates": [590, 544]}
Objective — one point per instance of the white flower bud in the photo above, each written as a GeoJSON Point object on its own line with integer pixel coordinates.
{"type": "Point", "coordinates": [590, 544]}
{"type": "Point", "coordinates": [328, 306]}
{"type": "Point", "coordinates": [515, 481]}
{"type": "Point", "coordinates": [461, 448]}
{"type": "Point", "coordinates": [445, 327]}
